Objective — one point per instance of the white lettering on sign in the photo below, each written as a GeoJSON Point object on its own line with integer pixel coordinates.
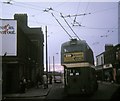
{"type": "Point", "coordinates": [74, 57]}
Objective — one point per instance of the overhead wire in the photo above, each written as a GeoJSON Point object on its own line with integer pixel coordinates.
{"type": "Point", "coordinates": [75, 23]}
{"type": "Point", "coordinates": [29, 5]}
{"type": "Point", "coordinates": [66, 23]}
{"type": "Point", "coordinates": [100, 11]}
{"type": "Point", "coordinates": [72, 16]}
{"type": "Point", "coordinates": [105, 35]}
{"type": "Point", "coordinates": [32, 7]}
{"type": "Point", "coordinates": [57, 11]}
{"type": "Point", "coordinates": [62, 26]}
{"type": "Point", "coordinates": [69, 26]}
{"type": "Point", "coordinates": [103, 10]}
{"type": "Point", "coordinates": [108, 31]}
{"type": "Point", "coordinates": [78, 15]}
{"type": "Point", "coordinates": [79, 24]}
{"type": "Point", "coordinates": [85, 11]}
{"type": "Point", "coordinates": [102, 28]}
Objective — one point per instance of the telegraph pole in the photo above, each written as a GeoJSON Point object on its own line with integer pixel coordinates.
{"type": "Point", "coordinates": [49, 63]}
{"type": "Point", "coordinates": [46, 56]}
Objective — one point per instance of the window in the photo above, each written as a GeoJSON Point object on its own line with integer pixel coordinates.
{"type": "Point", "coordinates": [74, 72]}
{"type": "Point", "coordinates": [77, 73]}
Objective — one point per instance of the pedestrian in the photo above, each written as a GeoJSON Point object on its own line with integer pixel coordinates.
{"type": "Point", "coordinates": [23, 84]}
{"type": "Point", "coordinates": [44, 81]}
{"type": "Point", "coordinates": [50, 79]}
{"type": "Point", "coordinates": [40, 81]}
{"type": "Point", "coordinates": [37, 80]}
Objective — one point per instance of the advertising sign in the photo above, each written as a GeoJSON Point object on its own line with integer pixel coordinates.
{"type": "Point", "coordinates": [74, 57]}
{"type": "Point", "coordinates": [0, 79]}
{"type": "Point", "coordinates": [8, 37]}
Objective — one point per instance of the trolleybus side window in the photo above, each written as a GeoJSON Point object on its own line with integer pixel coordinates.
{"type": "Point", "coordinates": [74, 48]}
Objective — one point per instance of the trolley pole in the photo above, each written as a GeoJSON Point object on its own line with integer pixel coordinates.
{"type": "Point", "coordinates": [46, 56]}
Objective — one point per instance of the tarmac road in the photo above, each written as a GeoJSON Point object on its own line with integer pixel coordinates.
{"type": "Point", "coordinates": [106, 91]}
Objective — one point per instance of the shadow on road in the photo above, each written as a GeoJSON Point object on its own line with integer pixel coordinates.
{"type": "Point", "coordinates": [116, 95]}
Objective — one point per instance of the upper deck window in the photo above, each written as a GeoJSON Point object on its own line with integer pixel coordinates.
{"type": "Point", "coordinates": [73, 48]}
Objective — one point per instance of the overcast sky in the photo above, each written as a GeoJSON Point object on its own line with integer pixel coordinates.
{"type": "Point", "coordinates": [98, 27]}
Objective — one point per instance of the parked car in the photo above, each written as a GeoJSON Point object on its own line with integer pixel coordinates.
{"type": "Point", "coordinates": [58, 79]}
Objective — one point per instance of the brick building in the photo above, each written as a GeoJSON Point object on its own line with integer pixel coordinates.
{"type": "Point", "coordinates": [29, 59]}
{"type": "Point", "coordinates": [110, 62]}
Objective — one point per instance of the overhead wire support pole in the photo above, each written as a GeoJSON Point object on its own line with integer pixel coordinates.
{"type": "Point", "coordinates": [69, 26]}
{"type": "Point", "coordinates": [46, 56]}
{"type": "Point", "coordinates": [61, 25]}
{"type": "Point", "coordinates": [54, 68]}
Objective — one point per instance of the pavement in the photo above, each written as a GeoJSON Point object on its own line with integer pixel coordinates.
{"type": "Point", "coordinates": [104, 82]}
{"type": "Point", "coordinates": [30, 93]}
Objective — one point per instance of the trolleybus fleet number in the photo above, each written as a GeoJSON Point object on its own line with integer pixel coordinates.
{"type": "Point", "coordinates": [73, 57]}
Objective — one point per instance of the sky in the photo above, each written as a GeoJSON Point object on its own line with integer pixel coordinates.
{"type": "Point", "coordinates": [99, 25]}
